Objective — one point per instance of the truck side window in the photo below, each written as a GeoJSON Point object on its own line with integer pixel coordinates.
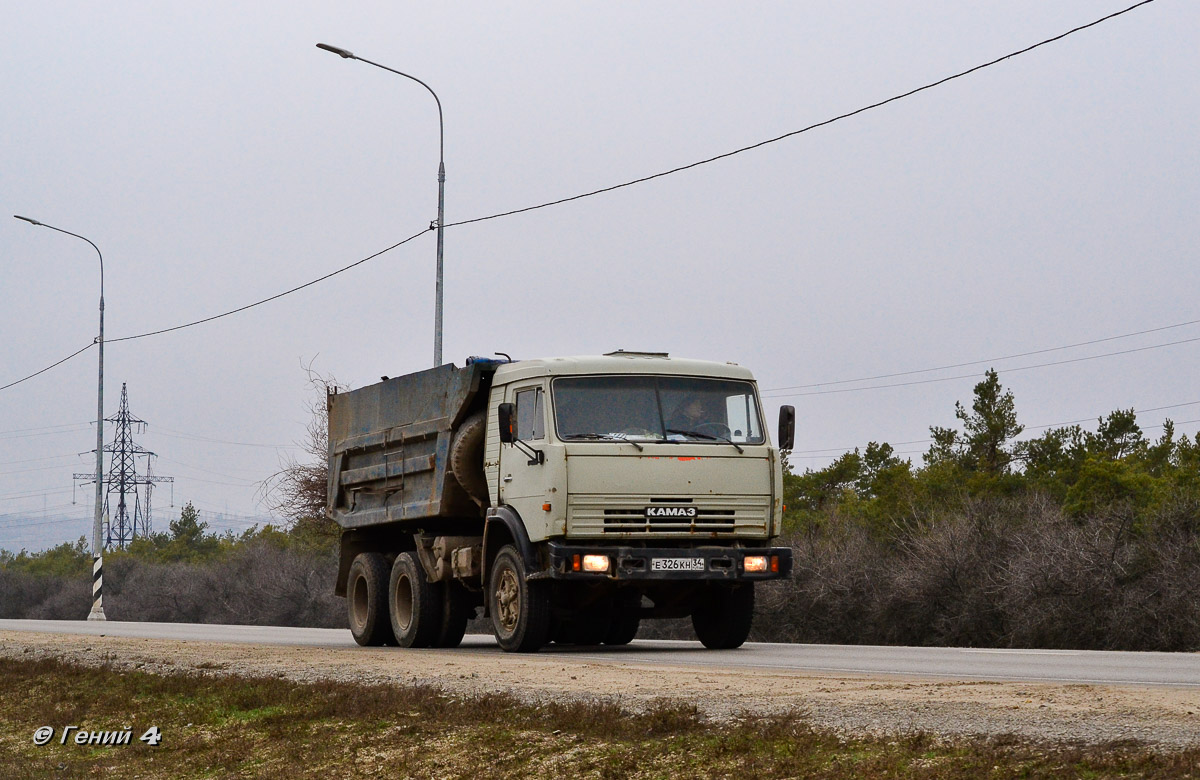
{"type": "Point", "coordinates": [531, 419]}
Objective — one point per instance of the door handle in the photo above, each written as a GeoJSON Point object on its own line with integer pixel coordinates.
{"type": "Point", "coordinates": [508, 478]}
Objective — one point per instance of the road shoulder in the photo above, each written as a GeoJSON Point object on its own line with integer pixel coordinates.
{"type": "Point", "coordinates": [849, 704]}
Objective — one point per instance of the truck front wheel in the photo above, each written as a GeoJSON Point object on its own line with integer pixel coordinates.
{"type": "Point", "coordinates": [722, 620]}
{"type": "Point", "coordinates": [366, 600]}
{"type": "Point", "coordinates": [520, 609]}
{"type": "Point", "coordinates": [414, 604]}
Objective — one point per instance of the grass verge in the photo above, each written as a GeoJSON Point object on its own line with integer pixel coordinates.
{"type": "Point", "coordinates": [267, 727]}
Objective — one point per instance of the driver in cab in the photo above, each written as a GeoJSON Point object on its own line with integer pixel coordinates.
{"type": "Point", "coordinates": [689, 417]}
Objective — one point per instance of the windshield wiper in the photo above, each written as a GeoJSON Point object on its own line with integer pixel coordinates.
{"type": "Point", "coordinates": [603, 437]}
{"type": "Point", "coordinates": [697, 434]}
{"type": "Point", "coordinates": [708, 436]}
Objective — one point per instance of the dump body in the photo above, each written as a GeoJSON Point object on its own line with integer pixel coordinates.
{"type": "Point", "coordinates": [389, 446]}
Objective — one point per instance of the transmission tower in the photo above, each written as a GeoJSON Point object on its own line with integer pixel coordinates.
{"type": "Point", "coordinates": [123, 481]}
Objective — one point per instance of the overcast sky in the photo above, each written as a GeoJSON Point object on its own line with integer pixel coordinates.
{"type": "Point", "coordinates": [217, 158]}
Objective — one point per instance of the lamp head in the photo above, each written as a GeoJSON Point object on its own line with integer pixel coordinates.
{"type": "Point", "coordinates": [27, 219]}
{"type": "Point", "coordinates": [339, 52]}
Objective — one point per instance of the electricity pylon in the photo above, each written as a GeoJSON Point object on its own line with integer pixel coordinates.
{"type": "Point", "coordinates": [123, 480]}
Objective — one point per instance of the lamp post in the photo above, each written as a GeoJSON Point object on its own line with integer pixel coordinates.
{"type": "Point", "coordinates": [97, 612]}
{"type": "Point", "coordinates": [437, 313]}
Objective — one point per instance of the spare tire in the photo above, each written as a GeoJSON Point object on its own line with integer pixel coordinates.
{"type": "Point", "coordinates": [466, 456]}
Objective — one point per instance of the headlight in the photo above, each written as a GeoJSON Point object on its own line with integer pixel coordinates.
{"type": "Point", "coordinates": [595, 563]}
{"type": "Point", "coordinates": [755, 563]}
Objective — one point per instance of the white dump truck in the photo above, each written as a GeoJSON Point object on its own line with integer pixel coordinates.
{"type": "Point", "coordinates": [570, 498]}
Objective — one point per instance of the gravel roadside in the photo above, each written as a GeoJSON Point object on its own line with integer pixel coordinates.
{"type": "Point", "coordinates": [1167, 718]}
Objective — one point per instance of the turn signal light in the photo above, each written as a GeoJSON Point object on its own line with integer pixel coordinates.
{"type": "Point", "coordinates": [775, 564]}
{"type": "Point", "coordinates": [595, 563]}
{"type": "Point", "coordinates": [755, 563]}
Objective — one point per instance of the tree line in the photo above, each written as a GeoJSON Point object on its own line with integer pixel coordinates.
{"type": "Point", "coordinates": [1071, 539]}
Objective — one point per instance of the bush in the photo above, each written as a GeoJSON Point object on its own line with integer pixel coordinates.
{"type": "Point", "coordinates": [1012, 572]}
{"type": "Point", "coordinates": [258, 583]}
{"type": "Point", "coordinates": [267, 577]}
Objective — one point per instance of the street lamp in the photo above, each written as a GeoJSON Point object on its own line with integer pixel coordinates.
{"type": "Point", "coordinates": [97, 612]}
{"type": "Point", "coordinates": [437, 313]}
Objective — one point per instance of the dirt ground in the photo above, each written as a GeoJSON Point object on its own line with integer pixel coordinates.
{"type": "Point", "coordinates": [1059, 713]}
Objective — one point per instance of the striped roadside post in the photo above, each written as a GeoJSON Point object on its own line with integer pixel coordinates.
{"type": "Point", "coordinates": [97, 612]}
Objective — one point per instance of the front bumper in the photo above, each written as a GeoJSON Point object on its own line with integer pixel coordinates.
{"type": "Point", "coordinates": [667, 563]}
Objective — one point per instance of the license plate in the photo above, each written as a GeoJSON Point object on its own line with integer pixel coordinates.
{"type": "Point", "coordinates": [677, 564]}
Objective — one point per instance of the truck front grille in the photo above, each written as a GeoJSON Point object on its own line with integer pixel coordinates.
{"type": "Point", "coordinates": [714, 515]}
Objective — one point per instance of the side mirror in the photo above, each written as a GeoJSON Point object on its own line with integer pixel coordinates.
{"type": "Point", "coordinates": [787, 427]}
{"type": "Point", "coordinates": [508, 423]}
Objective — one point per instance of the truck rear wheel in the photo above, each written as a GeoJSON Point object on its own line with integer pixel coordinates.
{"type": "Point", "coordinates": [414, 604]}
{"type": "Point", "coordinates": [520, 609]}
{"type": "Point", "coordinates": [366, 600]}
{"type": "Point", "coordinates": [723, 619]}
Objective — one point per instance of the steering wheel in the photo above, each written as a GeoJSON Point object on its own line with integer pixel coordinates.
{"type": "Point", "coordinates": [720, 430]}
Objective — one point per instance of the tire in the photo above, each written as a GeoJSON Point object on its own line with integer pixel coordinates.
{"type": "Point", "coordinates": [722, 621]}
{"type": "Point", "coordinates": [466, 456]}
{"type": "Point", "coordinates": [589, 629]}
{"type": "Point", "coordinates": [625, 620]}
{"type": "Point", "coordinates": [366, 600]}
{"type": "Point", "coordinates": [456, 611]}
{"type": "Point", "coordinates": [520, 609]}
{"type": "Point", "coordinates": [622, 629]}
{"type": "Point", "coordinates": [414, 604]}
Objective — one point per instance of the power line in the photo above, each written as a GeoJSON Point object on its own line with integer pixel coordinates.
{"type": "Point", "coordinates": [33, 493]}
{"type": "Point", "coordinates": [33, 514]}
{"type": "Point", "coordinates": [196, 437]}
{"type": "Point", "coordinates": [44, 428]}
{"type": "Point", "coordinates": [247, 483]}
{"type": "Point", "coordinates": [57, 520]}
{"type": "Point", "coordinates": [186, 478]}
{"type": "Point", "coordinates": [39, 460]}
{"type": "Point", "coordinates": [280, 295]}
{"type": "Point", "coordinates": [823, 123]}
{"type": "Point", "coordinates": [1164, 425]}
{"type": "Point", "coordinates": [844, 450]}
{"type": "Point", "coordinates": [47, 368]}
{"type": "Point", "coordinates": [58, 467]}
{"type": "Point", "coordinates": [976, 375]}
{"type": "Point", "coordinates": [981, 362]}
{"type": "Point", "coordinates": [1177, 423]}
{"type": "Point", "coordinates": [223, 314]}
{"type": "Point", "coordinates": [44, 433]}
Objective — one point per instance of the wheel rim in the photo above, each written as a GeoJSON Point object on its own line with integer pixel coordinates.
{"type": "Point", "coordinates": [508, 603]}
{"type": "Point", "coordinates": [402, 603]}
{"type": "Point", "coordinates": [359, 602]}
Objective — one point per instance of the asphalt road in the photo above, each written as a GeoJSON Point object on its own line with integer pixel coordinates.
{"type": "Point", "coordinates": [1058, 666]}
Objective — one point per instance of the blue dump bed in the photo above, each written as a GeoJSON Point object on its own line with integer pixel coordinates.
{"type": "Point", "coordinates": [389, 447]}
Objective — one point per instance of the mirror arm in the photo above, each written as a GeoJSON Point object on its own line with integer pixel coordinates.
{"type": "Point", "coordinates": [536, 457]}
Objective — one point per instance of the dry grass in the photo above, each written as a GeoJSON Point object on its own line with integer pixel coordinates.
{"type": "Point", "coordinates": [267, 727]}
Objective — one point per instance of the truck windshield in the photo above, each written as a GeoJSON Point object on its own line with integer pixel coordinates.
{"type": "Point", "coordinates": [656, 408]}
